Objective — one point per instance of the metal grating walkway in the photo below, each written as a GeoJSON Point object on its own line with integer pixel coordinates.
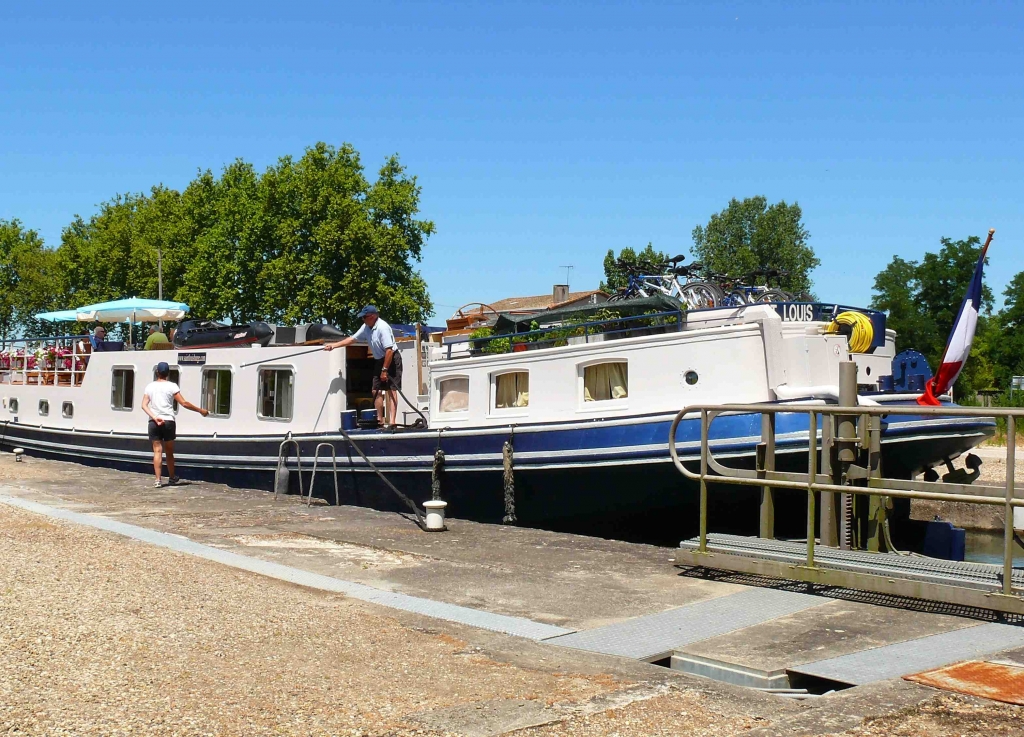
{"type": "Point", "coordinates": [658, 634]}
{"type": "Point", "coordinates": [913, 656]}
{"type": "Point", "coordinates": [464, 615]}
{"type": "Point", "coordinates": [931, 570]}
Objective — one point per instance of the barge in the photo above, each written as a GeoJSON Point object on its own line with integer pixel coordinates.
{"type": "Point", "coordinates": [584, 401]}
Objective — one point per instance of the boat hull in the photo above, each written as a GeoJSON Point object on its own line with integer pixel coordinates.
{"type": "Point", "coordinates": [607, 478]}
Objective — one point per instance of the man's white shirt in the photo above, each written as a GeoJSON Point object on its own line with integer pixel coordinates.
{"type": "Point", "coordinates": [380, 337]}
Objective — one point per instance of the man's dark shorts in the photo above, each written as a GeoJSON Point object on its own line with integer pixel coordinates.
{"type": "Point", "coordinates": [166, 431]}
{"type": "Point", "coordinates": [394, 372]}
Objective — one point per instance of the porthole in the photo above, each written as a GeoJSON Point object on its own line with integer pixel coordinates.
{"type": "Point", "coordinates": [44, 407]}
{"type": "Point", "coordinates": [691, 377]}
{"type": "Point", "coordinates": [12, 405]}
{"type": "Point", "coordinates": [67, 410]}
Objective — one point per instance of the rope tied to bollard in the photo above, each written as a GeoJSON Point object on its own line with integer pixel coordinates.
{"type": "Point", "coordinates": [507, 454]}
{"type": "Point", "coordinates": [437, 472]}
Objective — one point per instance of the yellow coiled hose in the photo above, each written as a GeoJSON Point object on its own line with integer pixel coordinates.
{"type": "Point", "coordinates": [859, 330]}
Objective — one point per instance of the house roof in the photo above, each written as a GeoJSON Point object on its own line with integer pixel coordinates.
{"type": "Point", "coordinates": [541, 302]}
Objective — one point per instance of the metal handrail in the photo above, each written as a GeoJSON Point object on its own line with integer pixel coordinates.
{"type": "Point", "coordinates": [876, 486]}
{"type": "Point", "coordinates": [56, 372]}
{"type": "Point", "coordinates": [312, 479]}
{"type": "Point", "coordinates": [572, 326]}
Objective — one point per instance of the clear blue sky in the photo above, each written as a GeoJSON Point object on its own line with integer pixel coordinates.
{"type": "Point", "coordinates": [544, 134]}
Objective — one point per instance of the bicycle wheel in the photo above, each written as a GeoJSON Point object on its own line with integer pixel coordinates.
{"type": "Point", "coordinates": [700, 295]}
{"type": "Point", "coordinates": [735, 298]}
{"type": "Point", "coordinates": [773, 295]}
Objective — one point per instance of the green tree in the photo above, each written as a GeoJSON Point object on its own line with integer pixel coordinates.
{"type": "Point", "coordinates": [751, 234]}
{"type": "Point", "coordinates": [921, 300]}
{"type": "Point", "coordinates": [26, 278]}
{"type": "Point", "coordinates": [306, 240]}
{"type": "Point", "coordinates": [1008, 346]}
{"type": "Point", "coordinates": [615, 278]}
{"type": "Point", "coordinates": [309, 239]}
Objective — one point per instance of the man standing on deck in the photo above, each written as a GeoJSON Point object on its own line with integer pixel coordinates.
{"type": "Point", "coordinates": [387, 370]}
{"type": "Point", "coordinates": [158, 402]}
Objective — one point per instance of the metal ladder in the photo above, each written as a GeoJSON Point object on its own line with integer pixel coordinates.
{"type": "Point", "coordinates": [334, 464]}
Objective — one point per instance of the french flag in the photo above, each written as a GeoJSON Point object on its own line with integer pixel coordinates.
{"type": "Point", "coordinates": [958, 347]}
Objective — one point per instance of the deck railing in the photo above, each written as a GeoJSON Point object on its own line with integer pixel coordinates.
{"type": "Point", "coordinates": [571, 332]}
{"type": "Point", "coordinates": [45, 361]}
{"type": "Point", "coordinates": [849, 435]}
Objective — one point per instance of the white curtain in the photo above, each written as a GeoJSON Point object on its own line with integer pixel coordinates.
{"type": "Point", "coordinates": [512, 390]}
{"type": "Point", "coordinates": [454, 395]}
{"type": "Point", "coordinates": [605, 381]}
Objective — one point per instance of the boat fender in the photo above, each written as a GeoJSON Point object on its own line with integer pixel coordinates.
{"type": "Point", "coordinates": [282, 478]}
{"type": "Point", "coordinates": [507, 457]}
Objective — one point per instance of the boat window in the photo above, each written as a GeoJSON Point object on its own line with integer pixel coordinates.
{"type": "Point", "coordinates": [604, 381]}
{"type": "Point", "coordinates": [512, 390]}
{"type": "Point", "coordinates": [454, 394]}
{"type": "Point", "coordinates": [12, 404]}
{"type": "Point", "coordinates": [67, 410]}
{"type": "Point", "coordinates": [276, 394]}
{"type": "Point", "coordinates": [122, 388]}
{"type": "Point", "coordinates": [217, 391]}
{"type": "Point", "coordinates": [44, 407]}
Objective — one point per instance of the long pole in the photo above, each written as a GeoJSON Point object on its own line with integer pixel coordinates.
{"type": "Point", "coordinates": [278, 358]}
{"type": "Point", "coordinates": [160, 279]}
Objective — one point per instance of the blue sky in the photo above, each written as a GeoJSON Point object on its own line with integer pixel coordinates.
{"type": "Point", "coordinates": [544, 134]}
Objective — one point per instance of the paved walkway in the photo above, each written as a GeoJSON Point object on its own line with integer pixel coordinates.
{"type": "Point", "coordinates": [487, 587]}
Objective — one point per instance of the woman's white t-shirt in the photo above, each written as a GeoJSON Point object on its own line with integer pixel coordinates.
{"type": "Point", "coordinates": [161, 399]}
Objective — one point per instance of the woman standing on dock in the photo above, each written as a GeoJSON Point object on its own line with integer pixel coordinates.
{"type": "Point", "coordinates": [158, 402]}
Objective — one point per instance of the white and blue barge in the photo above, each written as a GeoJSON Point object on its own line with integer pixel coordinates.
{"type": "Point", "coordinates": [587, 415]}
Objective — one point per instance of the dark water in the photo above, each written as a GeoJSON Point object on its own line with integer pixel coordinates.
{"type": "Point", "coordinates": [987, 547]}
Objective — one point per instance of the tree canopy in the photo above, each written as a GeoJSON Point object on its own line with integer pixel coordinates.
{"type": "Point", "coordinates": [27, 274]}
{"type": "Point", "coordinates": [616, 278]}
{"type": "Point", "coordinates": [922, 299]}
{"type": "Point", "coordinates": [750, 234]}
{"type": "Point", "coordinates": [308, 239]}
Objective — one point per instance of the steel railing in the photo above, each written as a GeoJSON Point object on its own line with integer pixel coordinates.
{"type": "Point", "coordinates": [584, 330]}
{"type": "Point", "coordinates": [45, 375]}
{"type": "Point", "coordinates": [867, 422]}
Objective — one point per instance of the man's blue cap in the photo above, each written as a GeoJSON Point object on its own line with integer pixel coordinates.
{"type": "Point", "coordinates": [162, 368]}
{"type": "Point", "coordinates": [368, 310]}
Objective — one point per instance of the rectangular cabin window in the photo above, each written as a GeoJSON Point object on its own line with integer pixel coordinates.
{"type": "Point", "coordinates": [217, 391]}
{"type": "Point", "coordinates": [512, 390]}
{"type": "Point", "coordinates": [604, 381]}
{"type": "Point", "coordinates": [122, 388]}
{"type": "Point", "coordinates": [44, 407]}
{"type": "Point", "coordinates": [454, 395]}
{"type": "Point", "coordinates": [67, 410]}
{"type": "Point", "coordinates": [277, 396]}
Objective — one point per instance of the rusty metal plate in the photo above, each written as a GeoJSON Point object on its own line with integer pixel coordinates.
{"type": "Point", "coordinates": [995, 681]}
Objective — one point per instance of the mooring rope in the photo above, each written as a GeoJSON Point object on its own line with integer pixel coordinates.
{"type": "Point", "coordinates": [437, 472]}
{"type": "Point", "coordinates": [510, 481]}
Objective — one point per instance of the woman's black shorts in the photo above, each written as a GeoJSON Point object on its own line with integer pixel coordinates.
{"type": "Point", "coordinates": [166, 431]}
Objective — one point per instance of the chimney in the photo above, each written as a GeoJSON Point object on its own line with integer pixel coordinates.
{"type": "Point", "coordinates": [560, 293]}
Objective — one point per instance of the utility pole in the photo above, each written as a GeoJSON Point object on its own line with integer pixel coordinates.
{"type": "Point", "coordinates": [160, 279]}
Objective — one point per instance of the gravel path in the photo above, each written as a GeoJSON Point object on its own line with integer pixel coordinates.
{"type": "Point", "coordinates": [101, 635]}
